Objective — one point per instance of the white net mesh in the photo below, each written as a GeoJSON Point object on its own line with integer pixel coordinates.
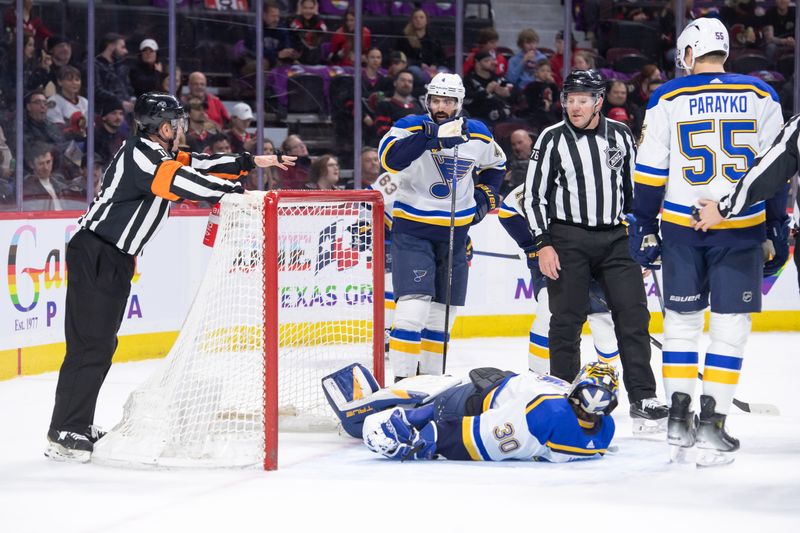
{"type": "Point", "coordinates": [205, 405]}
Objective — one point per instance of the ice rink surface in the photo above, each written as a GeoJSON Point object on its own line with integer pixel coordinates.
{"type": "Point", "coordinates": [331, 483]}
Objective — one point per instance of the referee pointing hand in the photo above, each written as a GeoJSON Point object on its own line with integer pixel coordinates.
{"type": "Point", "coordinates": [577, 191]}
{"type": "Point", "coordinates": [146, 173]}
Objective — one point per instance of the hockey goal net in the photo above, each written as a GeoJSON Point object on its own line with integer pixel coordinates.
{"type": "Point", "coordinates": [293, 291]}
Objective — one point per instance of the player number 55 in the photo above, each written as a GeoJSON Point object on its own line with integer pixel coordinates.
{"type": "Point", "coordinates": [702, 154]}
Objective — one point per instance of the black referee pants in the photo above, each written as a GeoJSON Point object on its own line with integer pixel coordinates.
{"type": "Point", "coordinates": [604, 255]}
{"type": "Point", "coordinates": [98, 287]}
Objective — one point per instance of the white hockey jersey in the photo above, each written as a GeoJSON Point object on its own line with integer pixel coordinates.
{"type": "Point", "coordinates": [423, 201]}
{"type": "Point", "coordinates": [700, 135]}
{"type": "Point", "coordinates": [526, 417]}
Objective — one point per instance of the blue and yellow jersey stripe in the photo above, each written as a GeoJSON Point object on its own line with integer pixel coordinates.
{"type": "Point", "coordinates": [575, 450]}
{"type": "Point", "coordinates": [471, 437]}
{"type": "Point", "coordinates": [681, 215]}
{"type": "Point", "coordinates": [652, 176]}
{"type": "Point", "coordinates": [716, 82]}
{"type": "Point", "coordinates": [434, 217]}
{"type": "Point", "coordinates": [506, 211]}
{"type": "Point", "coordinates": [542, 398]}
{"type": "Point", "coordinates": [488, 400]}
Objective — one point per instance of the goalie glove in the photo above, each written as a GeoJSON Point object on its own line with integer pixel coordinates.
{"type": "Point", "coordinates": [390, 434]}
{"type": "Point", "coordinates": [448, 134]}
{"type": "Point", "coordinates": [485, 201]}
{"type": "Point", "coordinates": [644, 243]}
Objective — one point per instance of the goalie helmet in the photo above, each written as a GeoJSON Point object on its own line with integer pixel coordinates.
{"type": "Point", "coordinates": [703, 36]}
{"type": "Point", "coordinates": [595, 389]}
{"type": "Point", "coordinates": [153, 109]}
{"type": "Point", "coordinates": [445, 84]}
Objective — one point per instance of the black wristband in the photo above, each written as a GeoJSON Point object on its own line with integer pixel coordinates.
{"type": "Point", "coordinates": [540, 241]}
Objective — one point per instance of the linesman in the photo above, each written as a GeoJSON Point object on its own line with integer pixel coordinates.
{"type": "Point", "coordinates": [578, 189]}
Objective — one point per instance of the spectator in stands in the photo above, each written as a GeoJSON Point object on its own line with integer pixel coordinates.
{"type": "Point", "coordinates": [277, 43]}
{"type": "Point", "coordinates": [487, 43]}
{"type": "Point", "coordinates": [63, 105]}
{"type": "Point", "coordinates": [7, 185]}
{"type": "Point", "coordinates": [397, 63]}
{"type": "Point", "coordinates": [36, 127]}
{"type": "Point", "coordinates": [638, 118]}
{"type": "Point", "coordinates": [36, 68]}
{"type": "Point", "coordinates": [617, 97]}
{"type": "Point", "coordinates": [583, 61]}
{"type": "Point", "coordinates": [423, 51]}
{"type": "Point", "coordinates": [370, 166]}
{"type": "Point", "coordinates": [178, 82]}
{"type": "Point", "coordinates": [517, 166]}
{"type": "Point", "coordinates": [111, 74]}
{"type": "Point", "coordinates": [522, 65]}
{"type": "Point", "coordinates": [215, 109]}
{"type": "Point", "coordinates": [342, 41]}
{"type": "Point", "coordinates": [295, 177]}
{"type": "Point", "coordinates": [542, 97]}
{"type": "Point", "coordinates": [666, 23]}
{"type": "Point", "coordinates": [30, 23]}
{"type": "Point", "coordinates": [146, 73]}
{"type": "Point", "coordinates": [778, 28]}
{"type": "Point", "coordinates": [639, 95]}
{"type": "Point", "coordinates": [487, 95]}
{"type": "Point", "coordinates": [218, 143]}
{"type": "Point", "coordinates": [60, 50]}
{"type": "Point", "coordinates": [371, 76]}
{"type": "Point", "coordinates": [308, 32]}
{"type": "Point", "coordinates": [324, 173]}
{"type": "Point", "coordinates": [270, 175]}
{"type": "Point", "coordinates": [108, 137]}
{"type": "Point", "coordinates": [241, 140]}
{"type": "Point", "coordinates": [200, 128]}
{"type": "Point", "coordinates": [42, 190]}
{"type": "Point", "coordinates": [557, 61]}
{"type": "Point", "coordinates": [401, 104]}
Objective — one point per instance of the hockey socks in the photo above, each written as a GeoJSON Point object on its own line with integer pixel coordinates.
{"type": "Point", "coordinates": [404, 352]}
{"type": "Point", "coordinates": [538, 353]}
{"type": "Point", "coordinates": [432, 352]}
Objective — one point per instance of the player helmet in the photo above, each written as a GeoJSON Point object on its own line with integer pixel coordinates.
{"type": "Point", "coordinates": [153, 109]}
{"type": "Point", "coordinates": [595, 389]}
{"type": "Point", "coordinates": [703, 36]}
{"type": "Point", "coordinates": [445, 84]}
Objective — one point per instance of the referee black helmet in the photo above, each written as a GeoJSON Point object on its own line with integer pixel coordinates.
{"type": "Point", "coordinates": [153, 109]}
{"type": "Point", "coordinates": [584, 81]}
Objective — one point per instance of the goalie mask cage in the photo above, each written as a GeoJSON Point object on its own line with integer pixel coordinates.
{"type": "Point", "coordinates": [293, 291]}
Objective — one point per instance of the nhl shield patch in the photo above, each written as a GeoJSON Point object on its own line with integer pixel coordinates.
{"type": "Point", "coordinates": [614, 157]}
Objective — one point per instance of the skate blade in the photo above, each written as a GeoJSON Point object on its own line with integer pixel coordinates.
{"type": "Point", "coordinates": [708, 458]}
{"type": "Point", "coordinates": [682, 455]}
{"type": "Point", "coordinates": [58, 453]}
{"type": "Point", "coordinates": [645, 426]}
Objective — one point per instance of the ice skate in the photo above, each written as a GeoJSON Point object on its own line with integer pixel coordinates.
{"type": "Point", "coordinates": [649, 416]}
{"type": "Point", "coordinates": [681, 428]}
{"type": "Point", "coordinates": [716, 446]}
{"type": "Point", "coordinates": [67, 446]}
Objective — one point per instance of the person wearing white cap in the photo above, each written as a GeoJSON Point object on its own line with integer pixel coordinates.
{"type": "Point", "coordinates": [145, 75]}
{"type": "Point", "coordinates": [241, 118]}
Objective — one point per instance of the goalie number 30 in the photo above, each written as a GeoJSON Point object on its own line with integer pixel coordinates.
{"type": "Point", "coordinates": [742, 154]}
{"type": "Point", "coordinates": [505, 437]}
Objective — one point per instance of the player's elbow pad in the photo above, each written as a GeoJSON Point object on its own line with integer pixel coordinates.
{"type": "Point", "coordinates": [485, 201]}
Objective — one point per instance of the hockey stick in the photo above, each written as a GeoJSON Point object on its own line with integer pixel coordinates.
{"type": "Point", "coordinates": [449, 288]}
{"type": "Point", "coordinates": [754, 408]}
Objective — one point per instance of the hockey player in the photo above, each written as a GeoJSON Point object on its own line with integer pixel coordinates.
{"type": "Point", "coordinates": [700, 134]}
{"type": "Point", "coordinates": [501, 415]}
{"type": "Point", "coordinates": [598, 315]}
{"type": "Point", "coordinates": [421, 150]}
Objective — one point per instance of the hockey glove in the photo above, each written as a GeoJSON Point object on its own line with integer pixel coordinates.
{"type": "Point", "coordinates": [778, 238]}
{"type": "Point", "coordinates": [538, 279]}
{"type": "Point", "coordinates": [470, 251]}
{"type": "Point", "coordinates": [485, 201]}
{"type": "Point", "coordinates": [446, 135]}
{"type": "Point", "coordinates": [644, 243]}
{"type": "Point", "coordinates": [396, 438]}
{"type": "Point", "coordinates": [532, 257]}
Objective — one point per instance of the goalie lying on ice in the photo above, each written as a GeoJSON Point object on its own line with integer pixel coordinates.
{"type": "Point", "coordinates": [496, 416]}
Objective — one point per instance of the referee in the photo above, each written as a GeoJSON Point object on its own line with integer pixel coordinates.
{"type": "Point", "coordinates": [578, 188]}
{"type": "Point", "coordinates": [146, 174]}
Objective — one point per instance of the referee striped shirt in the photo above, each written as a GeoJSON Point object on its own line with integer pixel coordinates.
{"type": "Point", "coordinates": [768, 174]}
{"type": "Point", "coordinates": [579, 177]}
{"type": "Point", "coordinates": [143, 178]}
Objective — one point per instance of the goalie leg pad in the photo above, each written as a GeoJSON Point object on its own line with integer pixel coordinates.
{"type": "Point", "coordinates": [723, 361]}
{"type": "Point", "coordinates": [682, 333]}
